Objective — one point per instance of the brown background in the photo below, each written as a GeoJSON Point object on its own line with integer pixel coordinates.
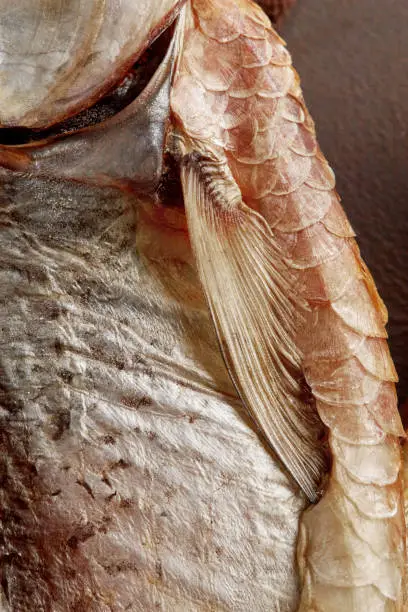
{"type": "Point", "coordinates": [352, 56]}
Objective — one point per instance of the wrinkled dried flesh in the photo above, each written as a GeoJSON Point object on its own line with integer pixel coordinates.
{"type": "Point", "coordinates": [250, 115]}
{"type": "Point", "coordinates": [124, 481]}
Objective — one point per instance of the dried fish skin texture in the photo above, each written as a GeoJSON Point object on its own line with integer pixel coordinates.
{"type": "Point", "coordinates": [58, 57]}
{"type": "Point", "coordinates": [267, 168]}
{"type": "Point", "coordinates": [121, 435]}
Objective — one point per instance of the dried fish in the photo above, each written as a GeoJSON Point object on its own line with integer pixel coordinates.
{"type": "Point", "coordinates": [190, 336]}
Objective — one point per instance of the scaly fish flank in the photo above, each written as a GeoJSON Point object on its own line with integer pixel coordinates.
{"type": "Point", "coordinates": [292, 301]}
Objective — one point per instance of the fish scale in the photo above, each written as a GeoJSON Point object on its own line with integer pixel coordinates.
{"type": "Point", "coordinates": [351, 557]}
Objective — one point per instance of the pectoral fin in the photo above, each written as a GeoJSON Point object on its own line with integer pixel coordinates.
{"type": "Point", "coordinates": [253, 305]}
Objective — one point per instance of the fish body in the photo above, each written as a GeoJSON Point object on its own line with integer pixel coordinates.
{"type": "Point", "coordinates": [121, 432]}
{"type": "Point", "coordinates": [149, 462]}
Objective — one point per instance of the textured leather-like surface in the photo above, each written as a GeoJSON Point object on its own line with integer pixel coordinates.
{"type": "Point", "coordinates": [353, 61]}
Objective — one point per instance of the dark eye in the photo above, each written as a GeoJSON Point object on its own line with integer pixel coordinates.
{"type": "Point", "coordinates": [121, 95]}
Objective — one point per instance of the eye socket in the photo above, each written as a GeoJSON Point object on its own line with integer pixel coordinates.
{"type": "Point", "coordinates": [121, 95]}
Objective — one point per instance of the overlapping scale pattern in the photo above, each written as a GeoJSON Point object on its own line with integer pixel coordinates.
{"type": "Point", "coordinates": [351, 550]}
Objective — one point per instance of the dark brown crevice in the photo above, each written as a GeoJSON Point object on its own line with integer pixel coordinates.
{"type": "Point", "coordinates": [86, 486]}
{"type": "Point", "coordinates": [4, 585]}
{"type": "Point", "coordinates": [169, 191]}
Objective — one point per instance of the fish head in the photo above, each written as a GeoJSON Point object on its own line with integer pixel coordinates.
{"type": "Point", "coordinates": [86, 90]}
{"type": "Point", "coordinates": [57, 58]}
